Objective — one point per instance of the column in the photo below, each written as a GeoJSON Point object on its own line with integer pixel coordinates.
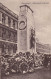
{"type": "Point", "coordinates": [6, 21]}
{"type": "Point", "coordinates": [0, 17]}
{"type": "Point", "coordinates": [11, 23]}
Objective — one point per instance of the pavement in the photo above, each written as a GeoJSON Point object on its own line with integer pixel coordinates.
{"type": "Point", "coordinates": [39, 73]}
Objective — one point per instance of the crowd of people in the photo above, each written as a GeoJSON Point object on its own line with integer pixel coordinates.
{"type": "Point", "coordinates": [14, 63]}
{"type": "Point", "coordinates": [23, 62]}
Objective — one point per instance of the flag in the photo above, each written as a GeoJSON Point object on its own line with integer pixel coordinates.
{"type": "Point", "coordinates": [32, 39]}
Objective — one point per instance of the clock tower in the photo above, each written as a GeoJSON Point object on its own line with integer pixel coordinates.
{"type": "Point", "coordinates": [25, 25]}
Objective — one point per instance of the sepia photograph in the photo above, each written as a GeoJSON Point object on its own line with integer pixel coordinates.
{"type": "Point", "coordinates": [25, 39]}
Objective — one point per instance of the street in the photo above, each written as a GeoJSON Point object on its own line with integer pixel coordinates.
{"type": "Point", "coordinates": [37, 74]}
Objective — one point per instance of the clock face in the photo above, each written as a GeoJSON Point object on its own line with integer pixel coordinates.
{"type": "Point", "coordinates": [22, 25]}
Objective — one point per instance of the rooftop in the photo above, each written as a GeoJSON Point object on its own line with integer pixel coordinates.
{"type": "Point", "coordinates": [8, 10]}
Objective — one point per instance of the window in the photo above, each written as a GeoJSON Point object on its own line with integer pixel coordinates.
{"type": "Point", "coordinates": [9, 21]}
{"type": "Point", "coordinates": [4, 34]}
{"type": "Point", "coordinates": [14, 48]}
{"type": "Point", "coordinates": [15, 37]}
{"type": "Point", "coordinates": [7, 35]}
{"type": "Point", "coordinates": [1, 32]}
{"type": "Point", "coordinates": [2, 49]}
{"type": "Point", "coordinates": [14, 24]}
{"type": "Point", "coordinates": [12, 36]}
{"type": "Point", "coordinates": [3, 18]}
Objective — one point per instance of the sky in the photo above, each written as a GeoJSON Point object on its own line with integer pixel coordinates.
{"type": "Point", "coordinates": [42, 16]}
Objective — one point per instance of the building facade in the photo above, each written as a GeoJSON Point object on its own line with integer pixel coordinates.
{"type": "Point", "coordinates": [8, 31]}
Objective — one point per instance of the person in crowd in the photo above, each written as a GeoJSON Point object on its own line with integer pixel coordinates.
{"type": "Point", "coordinates": [45, 61]}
